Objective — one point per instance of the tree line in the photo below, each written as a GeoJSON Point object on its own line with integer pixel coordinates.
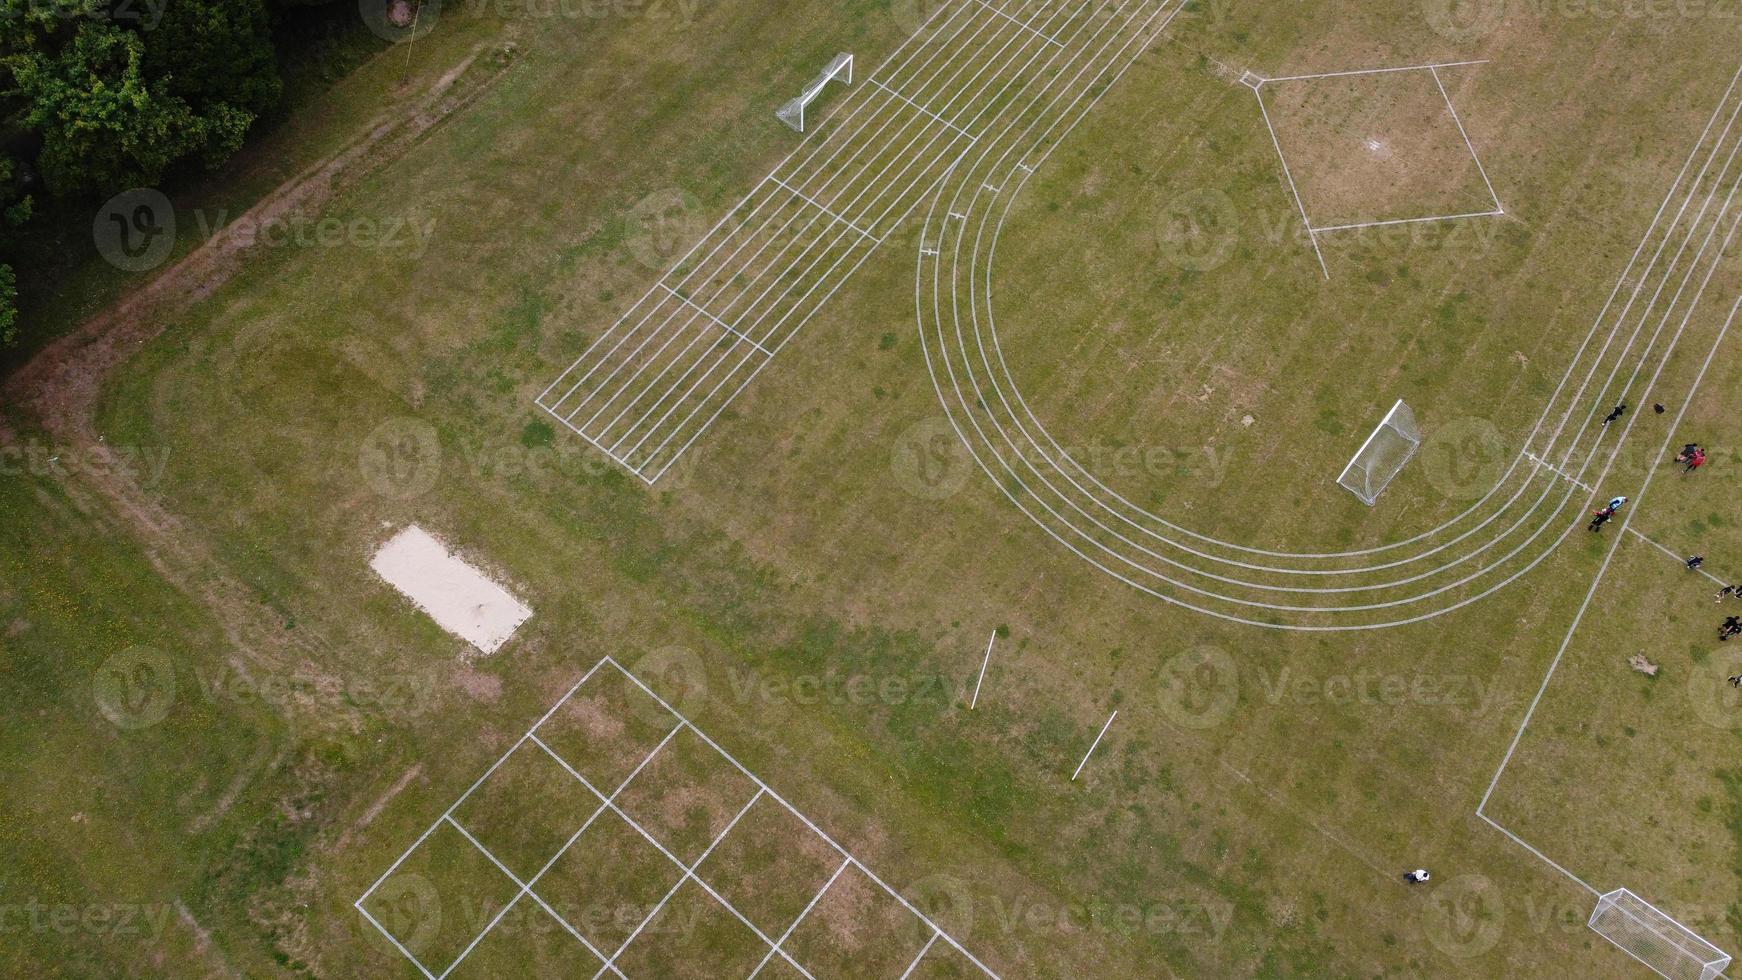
{"type": "Point", "coordinates": [97, 96]}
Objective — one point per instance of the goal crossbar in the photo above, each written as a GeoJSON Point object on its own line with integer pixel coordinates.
{"type": "Point", "coordinates": [1654, 938]}
{"type": "Point", "coordinates": [792, 113]}
{"type": "Point", "coordinates": [1388, 448]}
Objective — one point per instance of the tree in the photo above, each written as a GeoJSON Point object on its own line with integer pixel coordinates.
{"type": "Point", "coordinates": [104, 124]}
{"type": "Point", "coordinates": [8, 307]}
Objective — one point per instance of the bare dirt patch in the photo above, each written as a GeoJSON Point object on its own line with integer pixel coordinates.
{"type": "Point", "coordinates": [1375, 148]}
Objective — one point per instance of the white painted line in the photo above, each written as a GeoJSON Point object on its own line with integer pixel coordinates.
{"type": "Point", "coordinates": [802, 818]}
{"type": "Point", "coordinates": [1018, 23]}
{"type": "Point", "coordinates": [1374, 71]}
{"type": "Point", "coordinates": [1292, 189]}
{"type": "Point", "coordinates": [970, 136]}
{"type": "Point", "coordinates": [1681, 560]}
{"type": "Point", "coordinates": [988, 659]}
{"type": "Point", "coordinates": [1557, 471]}
{"type": "Point", "coordinates": [1591, 594]}
{"type": "Point", "coordinates": [1471, 146]}
{"type": "Point", "coordinates": [772, 950]}
{"type": "Point", "coordinates": [1408, 221]}
{"type": "Point", "coordinates": [922, 951]}
{"type": "Point", "coordinates": [1093, 746]}
{"type": "Point", "coordinates": [815, 204]}
{"type": "Point", "coordinates": [723, 325]}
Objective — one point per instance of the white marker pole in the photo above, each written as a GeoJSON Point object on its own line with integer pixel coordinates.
{"type": "Point", "coordinates": [1092, 748]}
{"type": "Point", "coordinates": [983, 664]}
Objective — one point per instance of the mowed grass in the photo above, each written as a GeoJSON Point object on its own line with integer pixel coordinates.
{"type": "Point", "coordinates": [791, 594]}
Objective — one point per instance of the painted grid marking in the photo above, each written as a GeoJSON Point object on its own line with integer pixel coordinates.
{"type": "Point", "coordinates": [688, 870]}
{"type": "Point", "coordinates": [824, 208]}
{"type": "Point", "coordinates": [723, 325]}
{"type": "Point", "coordinates": [983, 663]}
{"type": "Point", "coordinates": [1314, 231]}
{"type": "Point", "coordinates": [1019, 23]}
{"type": "Point", "coordinates": [971, 137]}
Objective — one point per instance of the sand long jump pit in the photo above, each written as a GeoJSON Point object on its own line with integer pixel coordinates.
{"type": "Point", "coordinates": [460, 598]}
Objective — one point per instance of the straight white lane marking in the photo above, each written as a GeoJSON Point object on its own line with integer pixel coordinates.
{"type": "Point", "coordinates": [1372, 71]}
{"type": "Point", "coordinates": [1408, 221]}
{"type": "Point", "coordinates": [923, 109]}
{"type": "Point", "coordinates": [1092, 747]}
{"type": "Point", "coordinates": [983, 663]}
{"type": "Point", "coordinates": [1292, 189]}
{"type": "Point", "coordinates": [1461, 132]}
{"type": "Point", "coordinates": [1018, 23]}
{"type": "Point", "coordinates": [723, 325]}
{"type": "Point", "coordinates": [815, 204]}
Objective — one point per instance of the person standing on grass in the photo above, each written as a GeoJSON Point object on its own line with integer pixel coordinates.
{"type": "Point", "coordinates": [1616, 504]}
{"type": "Point", "coordinates": [1724, 593]}
{"type": "Point", "coordinates": [1695, 461]}
{"type": "Point", "coordinates": [1616, 412]}
{"type": "Point", "coordinates": [1731, 627]}
{"type": "Point", "coordinates": [1695, 562]}
{"type": "Point", "coordinates": [1735, 680]}
{"type": "Point", "coordinates": [1600, 518]}
{"type": "Point", "coordinates": [1416, 877]}
{"type": "Point", "coordinates": [1687, 452]}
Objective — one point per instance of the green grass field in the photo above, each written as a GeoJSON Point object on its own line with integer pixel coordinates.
{"type": "Point", "coordinates": [222, 727]}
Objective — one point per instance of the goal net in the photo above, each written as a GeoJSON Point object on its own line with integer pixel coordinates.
{"type": "Point", "coordinates": [1383, 455]}
{"type": "Point", "coordinates": [1653, 938]}
{"type": "Point", "coordinates": [792, 113]}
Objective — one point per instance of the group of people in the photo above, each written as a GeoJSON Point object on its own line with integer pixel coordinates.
{"type": "Point", "coordinates": [1692, 456]}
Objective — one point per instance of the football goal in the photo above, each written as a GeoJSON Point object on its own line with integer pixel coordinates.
{"type": "Point", "coordinates": [1383, 455]}
{"type": "Point", "coordinates": [792, 113]}
{"type": "Point", "coordinates": [1653, 938]}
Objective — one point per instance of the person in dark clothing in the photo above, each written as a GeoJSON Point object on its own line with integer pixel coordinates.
{"type": "Point", "coordinates": [1600, 518]}
{"type": "Point", "coordinates": [1695, 562]}
{"type": "Point", "coordinates": [1616, 412]}
{"type": "Point", "coordinates": [1657, 407]}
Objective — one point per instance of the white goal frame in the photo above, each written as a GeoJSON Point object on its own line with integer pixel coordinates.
{"type": "Point", "coordinates": [792, 113]}
{"type": "Point", "coordinates": [1367, 475]}
{"type": "Point", "coordinates": [1651, 936]}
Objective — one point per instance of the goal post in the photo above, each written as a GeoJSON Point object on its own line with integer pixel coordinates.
{"type": "Point", "coordinates": [1652, 937]}
{"type": "Point", "coordinates": [1383, 455]}
{"type": "Point", "coordinates": [839, 68]}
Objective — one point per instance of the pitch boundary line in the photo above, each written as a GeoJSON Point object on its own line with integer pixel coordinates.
{"type": "Point", "coordinates": [1262, 80]}
{"type": "Point", "coordinates": [1018, 23]}
{"type": "Point", "coordinates": [923, 109]}
{"type": "Point", "coordinates": [1591, 594]}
